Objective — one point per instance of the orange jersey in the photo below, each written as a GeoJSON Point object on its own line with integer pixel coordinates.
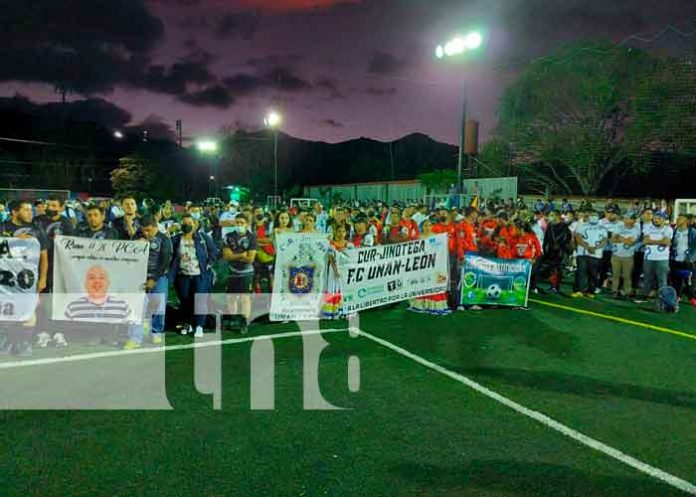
{"type": "Point", "coordinates": [504, 251]}
{"type": "Point", "coordinates": [466, 238]}
{"type": "Point", "coordinates": [451, 231]}
{"type": "Point", "coordinates": [527, 246]}
{"type": "Point", "coordinates": [412, 227]}
{"type": "Point", "coordinates": [487, 235]}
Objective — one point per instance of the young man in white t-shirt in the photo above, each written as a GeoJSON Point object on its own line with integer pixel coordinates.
{"type": "Point", "coordinates": [657, 239]}
{"type": "Point", "coordinates": [624, 240]}
{"type": "Point", "coordinates": [590, 238]}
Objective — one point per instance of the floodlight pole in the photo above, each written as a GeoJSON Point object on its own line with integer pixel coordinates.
{"type": "Point", "coordinates": [462, 138]}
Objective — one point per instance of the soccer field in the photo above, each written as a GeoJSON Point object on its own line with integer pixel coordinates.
{"type": "Point", "coordinates": [549, 402]}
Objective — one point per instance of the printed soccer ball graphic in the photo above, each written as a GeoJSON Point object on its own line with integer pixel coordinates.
{"type": "Point", "coordinates": [493, 292]}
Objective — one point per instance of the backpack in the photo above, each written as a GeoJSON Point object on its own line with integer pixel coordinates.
{"type": "Point", "coordinates": [666, 300]}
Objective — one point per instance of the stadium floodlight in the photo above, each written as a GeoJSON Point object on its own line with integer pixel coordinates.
{"type": "Point", "coordinates": [272, 120]}
{"type": "Point", "coordinates": [207, 146]}
{"type": "Point", "coordinates": [460, 44]}
{"type": "Point", "coordinates": [118, 135]}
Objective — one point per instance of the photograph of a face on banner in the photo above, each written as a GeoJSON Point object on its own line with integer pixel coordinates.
{"type": "Point", "coordinates": [99, 280]}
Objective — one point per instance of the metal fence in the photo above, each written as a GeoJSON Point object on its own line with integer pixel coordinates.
{"type": "Point", "coordinates": [387, 192]}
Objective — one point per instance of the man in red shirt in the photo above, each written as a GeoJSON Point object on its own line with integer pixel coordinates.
{"type": "Point", "coordinates": [466, 233]}
{"type": "Point", "coordinates": [409, 224]}
{"type": "Point", "coordinates": [445, 225]}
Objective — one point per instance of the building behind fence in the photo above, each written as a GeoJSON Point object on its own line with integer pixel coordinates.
{"type": "Point", "coordinates": [409, 191]}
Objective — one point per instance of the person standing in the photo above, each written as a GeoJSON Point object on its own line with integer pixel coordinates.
{"type": "Point", "coordinates": [157, 284]}
{"type": "Point", "coordinates": [128, 226]}
{"type": "Point", "coordinates": [331, 305]}
{"type": "Point", "coordinates": [590, 238]}
{"type": "Point", "coordinates": [624, 240]}
{"type": "Point", "coordinates": [322, 218]}
{"type": "Point", "coordinates": [683, 257]}
{"type": "Point", "coordinates": [194, 253]}
{"type": "Point", "coordinates": [20, 225]}
{"type": "Point", "coordinates": [436, 305]}
{"type": "Point", "coordinates": [239, 251]}
{"type": "Point", "coordinates": [95, 225]}
{"type": "Point", "coordinates": [53, 224]}
{"type": "Point", "coordinates": [657, 239]}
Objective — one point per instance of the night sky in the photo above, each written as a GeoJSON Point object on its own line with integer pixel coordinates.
{"type": "Point", "coordinates": [335, 69]}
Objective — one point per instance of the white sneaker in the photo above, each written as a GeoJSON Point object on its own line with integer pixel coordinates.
{"type": "Point", "coordinates": [185, 330]}
{"type": "Point", "coordinates": [59, 340]}
{"type": "Point", "coordinates": [43, 340]}
{"type": "Point", "coordinates": [461, 308]}
{"type": "Point", "coordinates": [199, 332]}
{"type": "Point", "coordinates": [476, 308]}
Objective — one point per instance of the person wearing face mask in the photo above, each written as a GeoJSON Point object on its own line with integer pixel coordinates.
{"type": "Point", "coordinates": [590, 238]}
{"type": "Point", "coordinates": [193, 256]}
{"type": "Point", "coordinates": [624, 240]}
{"type": "Point", "coordinates": [657, 240]}
{"type": "Point", "coordinates": [227, 219]}
{"type": "Point", "coordinates": [240, 252]}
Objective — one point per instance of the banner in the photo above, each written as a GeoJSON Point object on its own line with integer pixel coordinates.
{"type": "Point", "coordinates": [300, 276]}
{"type": "Point", "coordinates": [19, 274]}
{"type": "Point", "coordinates": [375, 276]}
{"type": "Point", "coordinates": [99, 280]}
{"type": "Point", "coordinates": [489, 281]}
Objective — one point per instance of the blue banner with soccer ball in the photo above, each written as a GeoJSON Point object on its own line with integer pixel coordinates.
{"type": "Point", "coordinates": [489, 281]}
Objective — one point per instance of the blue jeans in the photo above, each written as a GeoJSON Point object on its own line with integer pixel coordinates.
{"type": "Point", "coordinates": [155, 307]}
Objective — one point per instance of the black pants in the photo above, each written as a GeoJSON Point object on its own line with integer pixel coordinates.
{"type": "Point", "coordinates": [679, 282]}
{"type": "Point", "coordinates": [638, 258]}
{"type": "Point", "coordinates": [548, 266]}
{"type": "Point", "coordinates": [605, 267]}
{"type": "Point", "coordinates": [587, 273]}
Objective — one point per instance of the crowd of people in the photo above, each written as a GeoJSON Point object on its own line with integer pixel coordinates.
{"type": "Point", "coordinates": [631, 253]}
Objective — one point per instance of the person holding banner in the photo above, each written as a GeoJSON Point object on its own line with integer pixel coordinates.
{"type": "Point", "coordinates": [331, 307]}
{"type": "Point", "coordinates": [435, 305]}
{"type": "Point", "coordinates": [53, 223]}
{"type": "Point", "coordinates": [95, 226]}
{"type": "Point", "coordinates": [128, 226]}
{"type": "Point", "coordinates": [194, 253]}
{"type": "Point", "coordinates": [157, 285]}
{"type": "Point", "coordinates": [20, 226]}
{"type": "Point", "coordinates": [361, 237]}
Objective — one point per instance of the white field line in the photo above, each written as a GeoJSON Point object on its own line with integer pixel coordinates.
{"type": "Point", "coordinates": [158, 350]}
{"type": "Point", "coordinates": [543, 419]}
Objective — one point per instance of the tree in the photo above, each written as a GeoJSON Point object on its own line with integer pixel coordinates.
{"type": "Point", "coordinates": [135, 175]}
{"type": "Point", "coordinates": [572, 122]}
{"type": "Point", "coordinates": [438, 181]}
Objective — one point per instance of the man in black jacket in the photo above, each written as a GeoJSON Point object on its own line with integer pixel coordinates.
{"type": "Point", "coordinates": [157, 285]}
{"type": "Point", "coordinates": [558, 243]}
{"type": "Point", "coordinates": [129, 225]}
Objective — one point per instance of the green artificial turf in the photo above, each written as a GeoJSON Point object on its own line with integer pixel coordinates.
{"type": "Point", "coordinates": [409, 430]}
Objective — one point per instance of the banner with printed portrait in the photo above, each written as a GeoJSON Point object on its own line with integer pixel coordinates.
{"type": "Point", "coordinates": [300, 276]}
{"type": "Point", "coordinates": [100, 281]}
{"type": "Point", "coordinates": [19, 274]}
{"type": "Point", "coordinates": [490, 281]}
{"type": "Point", "coordinates": [375, 276]}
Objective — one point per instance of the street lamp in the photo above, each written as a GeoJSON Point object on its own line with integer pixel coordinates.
{"type": "Point", "coordinates": [457, 46]}
{"type": "Point", "coordinates": [273, 121]}
{"type": "Point", "coordinates": [209, 147]}
{"type": "Point", "coordinates": [118, 135]}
